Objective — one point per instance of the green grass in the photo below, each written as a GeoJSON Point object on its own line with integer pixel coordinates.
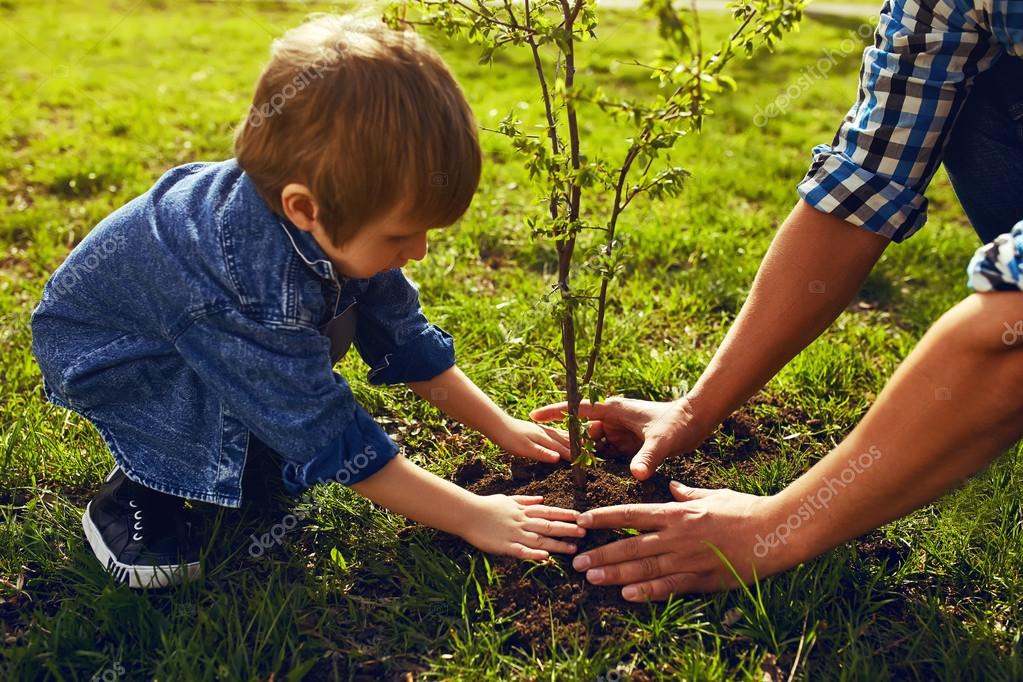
{"type": "Point", "coordinates": [100, 98]}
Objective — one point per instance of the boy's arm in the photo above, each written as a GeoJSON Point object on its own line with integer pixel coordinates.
{"type": "Point", "coordinates": [518, 526]}
{"type": "Point", "coordinates": [458, 397]}
{"type": "Point", "coordinates": [402, 347]}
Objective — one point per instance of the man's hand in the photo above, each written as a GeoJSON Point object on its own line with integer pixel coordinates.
{"type": "Point", "coordinates": [533, 441]}
{"type": "Point", "coordinates": [675, 557]}
{"type": "Point", "coordinates": [520, 526]}
{"type": "Point", "coordinates": [649, 431]}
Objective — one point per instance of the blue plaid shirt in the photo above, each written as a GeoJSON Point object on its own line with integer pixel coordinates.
{"type": "Point", "coordinates": [913, 83]}
{"type": "Point", "coordinates": [998, 266]}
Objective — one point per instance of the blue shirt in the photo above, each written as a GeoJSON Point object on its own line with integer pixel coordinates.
{"type": "Point", "coordinates": [190, 320]}
{"type": "Point", "coordinates": [914, 81]}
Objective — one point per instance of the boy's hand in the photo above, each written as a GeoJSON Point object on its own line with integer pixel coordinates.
{"type": "Point", "coordinates": [521, 527]}
{"type": "Point", "coordinates": [534, 441]}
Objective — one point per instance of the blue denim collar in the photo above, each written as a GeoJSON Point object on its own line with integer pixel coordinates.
{"type": "Point", "coordinates": [308, 250]}
{"type": "Point", "coordinates": [303, 242]}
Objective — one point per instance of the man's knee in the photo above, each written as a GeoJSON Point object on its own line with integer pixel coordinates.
{"type": "Point", "coordinates": [985, 323]}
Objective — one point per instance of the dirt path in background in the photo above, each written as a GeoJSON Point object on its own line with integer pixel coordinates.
{"type": "Point", "coordinates": [819, 8]}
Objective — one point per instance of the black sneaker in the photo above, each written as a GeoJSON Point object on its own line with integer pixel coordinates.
{"type": "Point", "coordinates": [141, 536]}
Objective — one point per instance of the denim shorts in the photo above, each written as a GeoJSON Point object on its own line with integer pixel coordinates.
{"type": "Point", "coordinates": [984, 155]}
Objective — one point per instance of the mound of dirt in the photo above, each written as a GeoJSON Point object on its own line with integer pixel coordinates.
{"type": "Point", "coordinates": [553, 598]}
{"type": "Point", "coordinates": [553, 594]}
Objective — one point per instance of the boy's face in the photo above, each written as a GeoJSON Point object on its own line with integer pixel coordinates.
{"type": "Point", "coordinates": [380, 246]}
{"type": "Point", "coordinates": [389, 242]}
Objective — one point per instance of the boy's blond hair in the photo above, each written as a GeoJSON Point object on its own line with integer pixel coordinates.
{"type": "Point", "coordinates": [368, 118]}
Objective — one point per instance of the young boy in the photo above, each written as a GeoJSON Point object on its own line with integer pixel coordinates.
{"type": "Point", "coordinates": [197, 326]}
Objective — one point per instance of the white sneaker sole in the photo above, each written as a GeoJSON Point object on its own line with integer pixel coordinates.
{"type": "Point", "coordinates": [137, 577]}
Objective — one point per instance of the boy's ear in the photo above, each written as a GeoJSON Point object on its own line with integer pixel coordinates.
{"type": "Point", "coordinates": [299, 206]}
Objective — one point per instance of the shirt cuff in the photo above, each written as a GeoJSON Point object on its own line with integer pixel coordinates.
{"type": "Point", "coordinates": [419, 359]}
{"type": "Point", "coordinates": [837, 185]}
{"type": "Point", "coordinates": [998, 265]}
{"type": "Point", "coordinates": [361, 450]}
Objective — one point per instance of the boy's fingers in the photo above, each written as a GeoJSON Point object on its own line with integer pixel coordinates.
{"type": "Point", "coordinates": [528, 499]}
{"type": "Point", "coordinates": [542, 454]}
{"type": "Point", "coordinates": [541, 511]}
{"type": "Point", "coordinates": [554, 528]}
{"type": "Point", "coordinates": [520, 551]}
{"type": "Point", "coordinates": [558, 435]}
{"type": "Point", "coordinates": [549, 544]}
{"type": "Point", "coordinates": [555, 444]}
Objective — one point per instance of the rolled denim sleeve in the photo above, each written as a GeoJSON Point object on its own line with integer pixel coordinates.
{"type": "Point", "coordinates": [913, 83]}
{"type": "Point", "coordinates": [394, 337]}
{"type": "Point", "coordinates": [278, 382]}
{"type": "Point", "coordinates": [998, 265]}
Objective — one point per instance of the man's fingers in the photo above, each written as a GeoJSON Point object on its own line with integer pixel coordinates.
{"type": "Point", "coordinates": [629, 549]}
{"type": "Point", "coordinates": [684, 493]}
{"type": "Point", "coordinates": [661, 588]}
{"type": "Point", "coordinates": [638, 516]}
{"type": "Point", "coordinates": [635, 571]}
{"type": "Point", "coordinates": [557, 411]}
{"type": "Point", "coordinates": [649, 457]}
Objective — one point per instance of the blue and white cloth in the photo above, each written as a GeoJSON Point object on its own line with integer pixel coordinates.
{"type": "Point", "coordinates": [914, 81]}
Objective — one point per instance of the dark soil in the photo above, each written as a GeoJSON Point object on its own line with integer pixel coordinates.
{"type": "Point", "coordinates": [553, 598]}
{"type": "Point", "coordinates": [537, 598]}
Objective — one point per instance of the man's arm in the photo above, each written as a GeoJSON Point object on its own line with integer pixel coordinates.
{"type": "Point", "coordinates": [953, 406]}
{"type": "Point", "coordinates": [867, 185]}
{"type": "Point", "coordinates": [813, 268]}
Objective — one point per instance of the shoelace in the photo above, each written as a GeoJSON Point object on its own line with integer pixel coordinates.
{"type": "Point", "coordinates": [138, 520]}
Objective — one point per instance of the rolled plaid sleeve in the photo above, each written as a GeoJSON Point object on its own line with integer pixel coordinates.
{"type": "Point", "coordinates": [998, 266]}
{"type": "Point", "coordinates": [913, 83]}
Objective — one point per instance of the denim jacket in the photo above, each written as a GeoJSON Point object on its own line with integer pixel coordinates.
{"type": "Point", "coordinates": [189, 326]}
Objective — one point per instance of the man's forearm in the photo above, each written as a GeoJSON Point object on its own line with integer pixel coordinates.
{"type": "Point", "coordinates": [952, 406]}
{"type": "Point", "coordinates": [813, 268]}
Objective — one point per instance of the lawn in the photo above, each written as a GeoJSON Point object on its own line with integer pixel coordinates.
{"type": "Point", "coordinates": [100, 98]}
